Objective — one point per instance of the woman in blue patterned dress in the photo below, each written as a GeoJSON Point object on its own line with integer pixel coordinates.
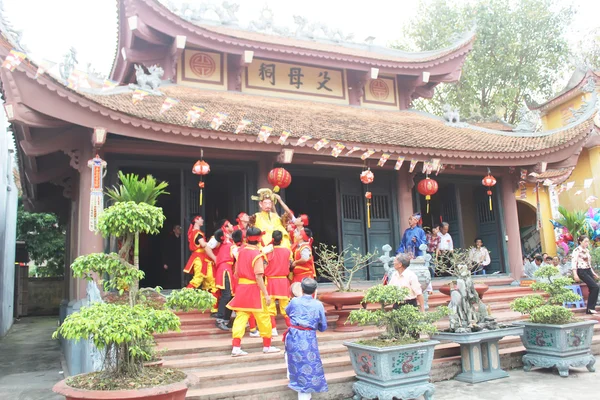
{"type": "Point", "coordinates": [303, 358]}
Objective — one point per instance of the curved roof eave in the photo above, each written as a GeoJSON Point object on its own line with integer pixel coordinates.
{"type": "Point", "coordinates": [304, 47]}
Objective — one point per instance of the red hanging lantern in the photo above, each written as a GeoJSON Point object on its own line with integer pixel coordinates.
{"type": "Point", "coordinates": [428, 187]}
{"type": "Point", "coordinates": [280, 178]}
{"type": "Point", "coordinates": [367, 177]}
{"type": "Point", "coordinates": [489, 181]}
{"type": "Point", "coordinates": [201, 168]}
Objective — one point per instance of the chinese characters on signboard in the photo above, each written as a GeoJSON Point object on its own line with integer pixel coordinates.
{"type": "Point", "coordinates": [295, 78]}
{"type": "Point", "coordinates": [381, 91]}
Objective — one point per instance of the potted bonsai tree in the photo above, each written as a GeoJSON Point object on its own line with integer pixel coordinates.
{"type": "Point", "coordinates": [340, 268]}
{"type": "Point", "coordinates": [398, 362]}
{"type": "Point", "coordinates": [552, 336]}
{"type": "Point", "coordinates": [447, 265]}
{"type": "Point", "coordinates": [124, 332]}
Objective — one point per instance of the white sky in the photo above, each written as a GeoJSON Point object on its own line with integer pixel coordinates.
{"type": "Point", "coordinates": [51, 27]}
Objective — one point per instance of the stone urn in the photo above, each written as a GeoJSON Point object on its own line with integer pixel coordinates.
{"type": "Point", "coordinates": [339, 300]}
{"type": "Point", "coordinates": [560, 346]}
{"type": "Point", "coordinates": [421, 268]}
{"type": "Point", "coordinates": [394, 371]}
{"type": "Point", "coordinates": [480, 288]}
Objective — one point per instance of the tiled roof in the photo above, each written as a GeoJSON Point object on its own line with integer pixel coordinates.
{"type": "Point", "coordinates": [397, 131]}
{"type": "Point", "coordinates": [372, 52]}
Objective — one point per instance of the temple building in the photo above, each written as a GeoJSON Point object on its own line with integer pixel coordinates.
{"type": "Point", "coordinates": [253, 98]}
{"type": "Point", "coordinates": [573, 183]}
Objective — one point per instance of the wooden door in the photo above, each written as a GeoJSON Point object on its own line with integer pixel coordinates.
{"type": "Point", "coordinates": [488, 229]}
{"type": "Point", "coordinates": [353, 218]}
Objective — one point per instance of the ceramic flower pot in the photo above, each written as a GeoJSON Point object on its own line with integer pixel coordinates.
{"type": "Point", "coordinates": [560, 346]}
{"type": "Point", "coordinates": [174, 391]}
{"type": "Point", "coordinates": [395, 371]}
{"type": "Point", "coordinates": [338, 300]}
{"type": "Point", "coordinates": [480, 288]}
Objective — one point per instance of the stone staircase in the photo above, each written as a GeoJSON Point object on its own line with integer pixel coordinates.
{"type": "Point", "coordinates": [203, 352]}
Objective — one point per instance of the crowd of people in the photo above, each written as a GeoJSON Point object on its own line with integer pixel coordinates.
{"type": "Point", "coordinates": [261, 266]}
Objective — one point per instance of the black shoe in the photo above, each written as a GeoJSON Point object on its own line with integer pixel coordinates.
{"type": "Point", "coordinates": [221, 325]}
{"type": "Point", "coordinates": [215, 315]}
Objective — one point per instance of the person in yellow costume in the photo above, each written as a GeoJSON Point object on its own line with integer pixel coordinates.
{"type": "Point", "coordinates": [267, 220]}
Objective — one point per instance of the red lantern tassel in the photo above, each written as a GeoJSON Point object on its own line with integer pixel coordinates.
{"type": "Point", "coordinates": [369, 214]}
{"type": "Point", "coordinates": [200, 196]}
{"type": "Point", "coordinates": [428, 197]}
{"type": "Point", "coordinates": [489, 193]}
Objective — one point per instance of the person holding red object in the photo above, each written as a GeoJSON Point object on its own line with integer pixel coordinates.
{"type": "Point", "coordinates": [251, 297]}
{"type": "Point", "coordinates": [224, 274]}
{"type": "Point", "coordinates": [201, 261]}
{"type": "Point", "coordinates": [276, 274]}
{"type": "Point", "coordinates": [303, 265]}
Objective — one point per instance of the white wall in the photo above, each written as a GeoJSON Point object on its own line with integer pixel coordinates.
{"type": "Point", "coordinates": [8, 226]}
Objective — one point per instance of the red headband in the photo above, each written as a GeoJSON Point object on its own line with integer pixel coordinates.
{"type": "Point", "coordinates": [254, 238]}
{"type": "Point", "coordinates": [304, 219]}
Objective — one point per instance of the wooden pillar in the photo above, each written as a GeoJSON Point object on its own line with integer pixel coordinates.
{"type": "Point", "coordinates": [265, 164]}
{"type": "Point", "coordinates": [511, 223]}
{"type": "Point", "coordinates": [404, 184]}
{"type": "Point", "coordinates": [88, 241]}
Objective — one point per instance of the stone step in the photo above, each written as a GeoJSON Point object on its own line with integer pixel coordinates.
{"type": "Point", "coordinates": [222, 346]}
{"type": "Point", "coordinates": [263, 373]}
{"type": "Point", "coordinates": [221, 362]}
{"type": "Point", "coordinates": [340, 382]}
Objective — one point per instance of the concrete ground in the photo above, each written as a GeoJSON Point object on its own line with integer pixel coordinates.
{"type": "Point", "coordinates": [30, 360]}
{"type": "Point", "coordinates": [31, 364]}
{"type": "Point", "coordinates": [539, 384]}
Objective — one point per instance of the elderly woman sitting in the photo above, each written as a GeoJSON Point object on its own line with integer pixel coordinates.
{"type": "Point", "coordinates": [407, 279]}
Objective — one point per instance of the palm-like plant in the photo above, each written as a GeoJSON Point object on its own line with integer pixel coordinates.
{"type": "Point", "coordinates": [573, 221]}
{"type": "Point", "coordinates": [132, 188]}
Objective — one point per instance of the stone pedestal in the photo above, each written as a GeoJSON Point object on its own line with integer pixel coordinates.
{"type": "Point", "coordinates": [479, 352]}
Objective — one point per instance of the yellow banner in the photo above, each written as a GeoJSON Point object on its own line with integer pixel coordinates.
{"type": "Point", "coordinates": [300, 79]}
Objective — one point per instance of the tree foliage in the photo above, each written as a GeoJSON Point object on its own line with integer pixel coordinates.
{"type": "Point", "coordinates": [132, 188]}
{"type": "Point", "coordinates": [574, 221]}
{"type": "Point", "coordinates": [548, 310]}
{"type": "Point", "coordinates": [520, 50]}
{"type": "Point", "coordinates": [44, 237]}
{"type": "Point", "coordinates": [340, 267]}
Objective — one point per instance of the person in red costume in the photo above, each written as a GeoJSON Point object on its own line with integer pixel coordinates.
{"type": "Point", "coordinates": [201, 261]}
{"type": "Point", "coordinates": [296, 224]}
{"type": "Point", "coordinates": [224, 273]}
{"type": "Point", "coordinates": [278, 284]}
{"type": "Point", "coordinates": [251, 297]}
{"type": "Point", "coordinates": [242, 223]}
{"type": "Point", "coordinates": [303, 265]}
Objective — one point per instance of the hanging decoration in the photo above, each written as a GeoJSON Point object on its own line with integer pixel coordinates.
{"type": "Point", "coordinates": [427, 187]}
{"type": "Point", "coordinates": [320, 144]}
{"type": "Point", "coordinates": [366, 154]}
{"type": "Point", "coordinates": [264, 133]}
{"type": "Point", "coordinates": [242, 125]}
{"type": "Point", "coordinates": [368, 177]}
{"type": "Point", "coordinates": [303, 139]}
{"type": "Point", "coordinates": [109, 84]}
{"type": "Point", "coordinates": [284, 137]}
{"type": "Point", "coordinates": [280, 178]}
{"type": "Point", "coordinates": [352, 150]}
{"type": "Point", "coordinates": [138, 95]}
{"type": "Point", "coordinates": [218, 120]}
{"type": "Point", "coordinates": [201, 168]}
{"type": "Point", "coordinates": [167, 104]}
{"type": "Point", "coordinates": [13, 59]}
{"type": "Point", "coordinates": [337, 149]}
{"type": "Point", "coordinates": [40, 71]}
{"type": "Point", "coordinates": [413, 164]}
{"type": "Point", "coordinates": [194, 113]}
{"type": "Point", "coordinates": [489, 181]}
{"type": "Point", "coordinates": [98, 167]}
{"type": "Point", "coordinates": [399, 163]}
{"type": "Point", "coordinates": [383, 159]}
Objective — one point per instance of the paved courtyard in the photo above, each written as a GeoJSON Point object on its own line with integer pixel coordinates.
{"type": "Point", "coordinates": [539, 384]}
{"type": "Point", "coordinates": [31, 366]}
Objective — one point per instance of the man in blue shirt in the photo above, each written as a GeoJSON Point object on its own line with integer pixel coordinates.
{"type": "Point", "coordinates": [413, 237]}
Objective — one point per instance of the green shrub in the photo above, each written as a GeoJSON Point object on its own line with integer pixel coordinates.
{"type": "Point", "coordinates": [123, 332]}
{"type": "Point", "coordinates": [190, 299]}
{"type": "Point", "coordinates": [550, 310]}
{"type": "Point", "coordinates": [404, 324]}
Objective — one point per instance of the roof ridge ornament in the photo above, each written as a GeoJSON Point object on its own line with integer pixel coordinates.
{"type": "Point", "coordinates": [200, 13]}
{"type": "Point", "coordinates": [529, 120]}
{"type": "Point", "coordinates": [582, 110]}
{"type": "Point", "coordinates": [13, 35]}
{"type": "Point", "coordinates": [67, 65]}
{"type": "Point", "coordinates": [590, 85]}
{"type": "Point", "coordinates": [150, 81]}
{"type": "Point", "coordinates": [452, 116]}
